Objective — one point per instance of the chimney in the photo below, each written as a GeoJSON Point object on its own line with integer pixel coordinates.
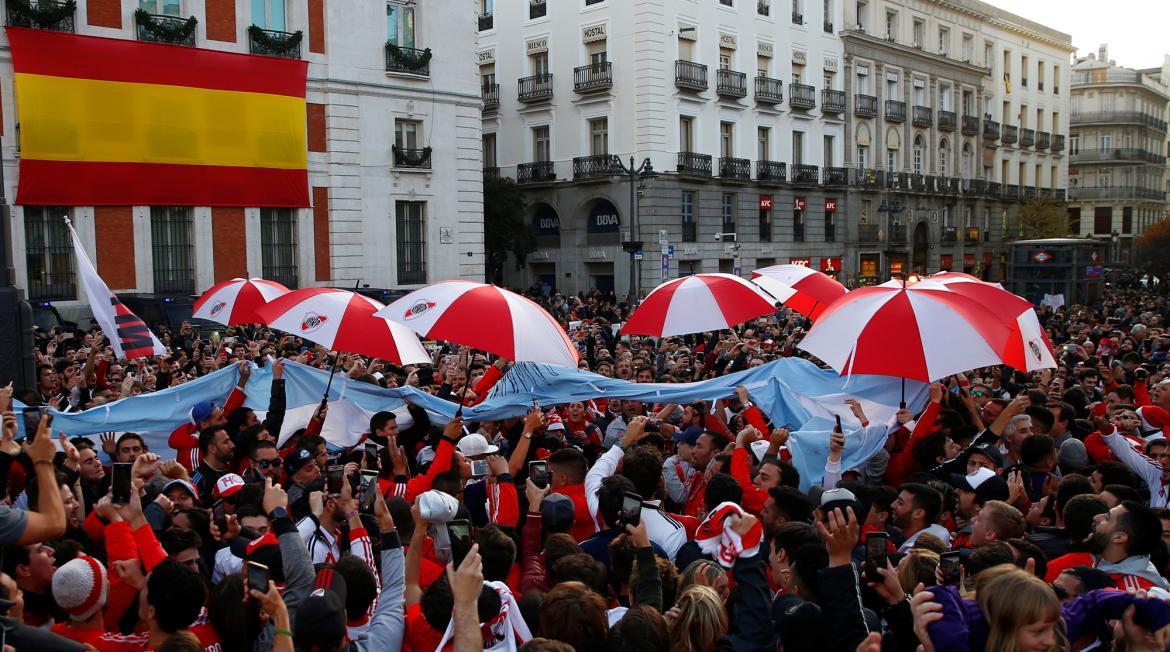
{"type": "Point", "coordinates": [1103, 52]}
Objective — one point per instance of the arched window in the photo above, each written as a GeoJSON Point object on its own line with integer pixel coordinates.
{"type": "Point", "coordinates": [893, 145]}
{"type": "Point", "coordinates": [863, 160]}
{"type": "Point", "coordinates": [944, 154]}
{"type": "Point", "coordinates": [968, 161]}
{"type": "Point", "coordinates": [918, 155]}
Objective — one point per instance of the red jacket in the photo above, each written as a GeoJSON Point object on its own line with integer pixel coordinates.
{"type": "Point", "coordinates": [185, 438]}
{"type": "Point", "coordinates": [444, 457]}
{"type": "Point", "coordinates": [902, 463]}
{"type": "Point", "coordinates": [583, 525]}
{"type": "Point", "coordinates": [753, 497]}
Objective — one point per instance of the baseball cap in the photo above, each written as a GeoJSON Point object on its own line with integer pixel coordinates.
{"type": "Point", "coordinates": [201, 411]}
{"type": "Point", "coordinates": [179, 482]}
{"type": "Point", "coordinates": [264, 549]}
{"type": "Point", "coordinates": [227, 485]}
{"type": "Point", "coordinates": [690, 436]}
{"type": "Point", "coordinates": [1072, 455]}
{"type": "Point", "coordinates": [840, 499]}
{"type": "Point", "coordinates": [321, 620]}
{"type": "Point", "coordinates": [476, 444]}
{"type": "Point", "coordinates": [984, 483]}
{"type": "Point", "coordinates": [297, 460]}
{"type": "Point", "coordinates": [556, 511]}
{"type": "Point", "coordinates": [989, 451]}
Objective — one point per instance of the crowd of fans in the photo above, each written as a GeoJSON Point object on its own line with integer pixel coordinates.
{"type": "Point", "coordinates": [1012, 511]}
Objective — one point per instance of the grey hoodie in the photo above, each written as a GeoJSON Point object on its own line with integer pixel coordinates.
{"type": "Point", "coordinates": [1138, 566]}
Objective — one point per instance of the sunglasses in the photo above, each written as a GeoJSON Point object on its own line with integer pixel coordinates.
{"type": "Point", "coordinates": [978, 394]}
{"type": "Point", "coordinates": [275, 462]}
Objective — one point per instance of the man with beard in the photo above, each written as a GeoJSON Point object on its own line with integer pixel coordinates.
{"type": "Point", "coordinates": [1123, 540]}
{"type": "Point", "coordinates": [217, 451]}
{"type": "Point", "coordinates": [94, 481]}
{"type": "Point", "coordinates": [266, 463]}
{"type": "Point", "coordinates": [916, 510]}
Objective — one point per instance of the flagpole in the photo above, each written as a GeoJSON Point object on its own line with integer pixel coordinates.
{"type": "Point", "coordinates": [336, 358]}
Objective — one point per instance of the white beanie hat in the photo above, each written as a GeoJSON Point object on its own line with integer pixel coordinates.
{"type": "Point", "coordinates": [80, 587]}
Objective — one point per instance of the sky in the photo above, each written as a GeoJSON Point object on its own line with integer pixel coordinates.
{"type": "Point", "coordinates": [1134, 29]}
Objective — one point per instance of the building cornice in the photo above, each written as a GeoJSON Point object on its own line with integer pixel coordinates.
{"type": "Point", "coordinates": [897, 48]}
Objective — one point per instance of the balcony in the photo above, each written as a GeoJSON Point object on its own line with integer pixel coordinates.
{"type": "Point", "coordinates": [157, 28]}
{"type": "Point", "coordinates": [802, 96]}
{"type": "Point", "coordinates": [1118, 155]}
{"type": "Point", "coordinates": [869, 233]}
{"type": "Point", "coordinates": [486, 22]}
{"type": "Point", "coordinates": [597, 166]}
{"type": "Point", "coordinates": [994, 189]}
{"type": "Point", "coordinates": [828, 27]}
{"type": "Point", "coordinates": [694, 164]}
{"type": "Point", "coordinates": [950, 235]}
{"type": "Point", "coordinates": [990, 130]}
{"type": "Point", "coordinates": [921, 116]}
{"type": "Point", "coordinates": [537, 88]}
{"type": "Point", "coordinates": [971, 235]}
{"type": "Point", "coordinates": [690, 75]}
{"type": "Point", "coordinates": [948, 120]}
{"type": "Point", "coordinates": [1117, 117]}
{"type": "Point", "coordinates": [834, 176]}
{"type": "Point", "coordinates": [918, 182]}
{"type": "Point", "coordinates": [1115, 192]}
{"type": "Point", "coordinates": [895, 111]}
{"type": "Point", "coordinates": [1043, 139]}
{"type": "Point", "coordinates": [735, 169]}
{"type": "Point", "coordinates": [976, 186]}
{"type": "Point", "coordinates": [763, 7]}
{"type": "Point", "coordinates": [970, 125]}
{"type": "Point", "coordinates": [869, 178]}
{"type": "Point", "coordinates": [804, 173]}
{"type": "Point", "coordinates": [274, 43]}
{"type": "Point", "coordinates": [1027, 137]}
{"type": "Point", "coordinates": [832, 101]}
{"type": "Point", "coordinates": [897, 181]}
{"type": "Point", "coordinates": [491, 96]}
{"type": "Point", "coordinates": [771, 171]}
{"type": "Point", "coordinates": [418, 159]}
{"type": "Point", "coordinates": [730, 83]}
{"type": "Point", "coordinates": [1010, 191]}
{"type": "Point", "coordinates": [1058, 143]}
{"type": "Point", "coordinates": [769, 91]}
{"type": "Point", "coordinates": [593, 78]}
{"type": "Point", "coordinates": [491, 173]}
{"type": "Point", "coordinates": [537, 172]}
{"type": "Point", "coordinates": [537, 9]}
{"type": "Point", "coordinates": [865, 106]}
{"type": "Point", "coordinates": [897, 234]}
{"type": "Point", "coordinates": [408, 61]}
{"type": "Point", "coordinates": [49, 15]}
{"type": "Point", "coordinates": [797, 18]}
{"type": "Point", "coordinates": [1011, 134]}
{"type": "Point", "coordinates": [1059, 194]}
{"type": "Point", "coordinates": [1028, 192]}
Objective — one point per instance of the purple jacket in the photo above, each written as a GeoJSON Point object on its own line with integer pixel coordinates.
{"type": "Point", "coordinates": [964, 629]}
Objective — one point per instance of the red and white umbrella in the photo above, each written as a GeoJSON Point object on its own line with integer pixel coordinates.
{"type": "Point", "coordinates": [915, 332]}
{"type": "Point", "coordinates": [697, 304]}
{"type": "Point", "coordinates": [1028, 348]}
{"type": "Point", "coordinates": [234, 302]}
{"type": "Point", "coordinates": [487, 318]}
{"type": "Point", "coordinates": [799, 287]}
{"type": "Point", "coordinates": [343, 321]}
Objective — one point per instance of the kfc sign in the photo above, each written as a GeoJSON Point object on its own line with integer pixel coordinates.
{"type": "Point", "coordinates": [803, 262]}
{"type": "Point", "coordinates": [830, 205]}
{"type": "Point", "coordinates": [765, 202]}
{"type": "Point", "coordinates": [798, 203]}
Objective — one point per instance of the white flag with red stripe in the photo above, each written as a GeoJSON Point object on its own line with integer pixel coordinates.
{"type": "Point", "coordinates": [128, 334]}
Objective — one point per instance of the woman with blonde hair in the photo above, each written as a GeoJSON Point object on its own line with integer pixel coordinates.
{"type": "Point", "coordinates": [699, 620]}
{"type": "Point", "coordinates": [704, 572]}
{"type": "Point", "coordinates": [1015, 611]}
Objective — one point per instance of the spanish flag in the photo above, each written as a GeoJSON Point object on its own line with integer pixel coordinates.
{"type": "Point", "coordinates": [118, 122]}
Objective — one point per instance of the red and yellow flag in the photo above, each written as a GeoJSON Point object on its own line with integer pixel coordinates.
{"type": "Point", "coordinates": [116, 122]}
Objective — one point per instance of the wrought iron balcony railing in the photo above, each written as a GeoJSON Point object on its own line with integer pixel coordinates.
{"type": "Point", "coordinates": [771, 171]}
{"type": "Point", "coordinates": [694, 164]}
{"type": "Point", "coordinates": [536, 88]}
{"type": "Point", "coordinates": [865, 105]}
{"type": "Point", "coordinates": [730, 83]}
{"type": "Point", "coordinates": [736, 169]}
{"type": "Point", "coordinates": [536, 172]}
{"type": "Point", "coordinates": [769, 91]}
{"type": "Point", "coordinates": [804, 173]}
{"type": "Point", "coordinates": [922, 116]}
{"type": "Point", "coordinates": [895, 111]}
{"type": "Point", "coordinates": [50, 15]}
{"type": "Point", "coordinates": [411, 61]}
{"type": "Point", "coordinates": [593, 78]}
{"type": "Point", "coordinates": [948, 120]}
{"type": "Point", "coordinates": [412, 157]}
{"type": "Point", "coordinates": [157, 28]}
{"type": "Point", "coordinates": [802, 96]}
{"type": "Point", "coordinates": [832, 101]}
{"type": "Point", "coordinates": [274, 43]}
{"type": "Point", "coordinates": [596, 166]}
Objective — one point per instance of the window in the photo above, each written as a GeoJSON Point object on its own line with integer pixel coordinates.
{"type": "Point", "coordinates": [1127, 219]}
{"type": "Point", "coordinates": [863, 80]}
{"type": "Point", "coordinates": [399, 22]}
{"type": "Point", "coordinates": [173, 249]}
{"type": "Point", "coordinates": [164, 7]}
{"type": "Point", "coordinates": [597, 54]}
{"type": "Point", "coordinates": [541, 145]}
{"type": "Point", "coordinates": [728, 212]}
{"type": "Point", "coordinates": [830, 226]}
{"type": "Point", "coordinates": [726, 139]}
{"type": "Point", "coordinates": [689, 225]}
{"type": "Point", "coordinates": [1102, 219]}
{"type": "Point", "coordinates": [724, 59]}
{"type": "Point", "coordinates": [944, 41]}
{"type": "Point", "coordinates": [1074, 145]}
{"type": "Point", "coordinates": [919, 33]}
{"type": "Point", "coordinates": [686, 133]}
{"type": "Point", "coordinates": [829, 159]}
{"type": "Point", "coordinates": [1106, 141]}
{"type": "Point", "coordinates": [599, 136]}
{"type": "Point", "coordinates": [408, 134]}
{"type": "Point", "coordinates": [892, 159]}
{"type": "Point", "coordinates": [410, 236]}
{"type": "Point", "coordinates": [763, 143]}
{"type": "Point", "coordinates": [270, 14]}
{"type": "Point", "coordinates": [797, 73]}
{"type": "Point", "coordinates": [968, 48]}
{"type": "Point", "coordinates": [797, 225]}
{"type": "Point", "coordinates": [797, 147]}
{"type": "Point", "coordinates": [1040, 75]}
{"type": "Point", "coordinates": [919, 92]}
{"type": "Point", "coordinates": [48, 253]}
{"type": "Point", "coordinates": [862, 156]}
{"type": "Point", "coordinates": [278, 245]}
{"type": "Point", "coordinates": [487, 7]}
{"type": "Point", "coordinates": [487, 75]}
{"type": "Point", "coordinates": [1055, 80]}
{"type": "Point", "coordinates": [891, 25]}
{"type": "Point", "coordinates": [944, 152]}
{"type": "Point", "coordinates": [539, 63]}
{"type": "Point", "coordinates": [828, 81]}
{"type": "Point", "coordinates": [988, 55]}
{"type": "Point", "coordinates": [892, 92]}
{"type": "Point", "coordinates": [489, 150]}
{"type": "Point", "coordinates": [1023, 71]}
{"type": "Point", "coordinates": [765, 218]}
{"type": "Point", "coordinates": [862, 11]}
{"type": "Point", "coordinates": [917, 153]}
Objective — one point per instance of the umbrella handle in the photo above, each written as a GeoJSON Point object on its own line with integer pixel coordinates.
{"type": "Point", "coordinates": [902, 404]}
{"type": "Point", "coordinates": [466, 378]}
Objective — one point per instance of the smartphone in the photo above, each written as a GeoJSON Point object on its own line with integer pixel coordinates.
{"type": "Point", "coordinates": [948, 566]}
{"type": "Point", "coordinates": [536, 404]}
{"type": "Point", "coordinates": [838, 418]}
{"type": "Point", "coordinates": [876, 554]}
{"type": "Point", "coordinates": [32, 421]}
{"type": "Point", "coordinates": [538, 472]}
{"type": "Point", "coordinates": [368, 490]}
{"type": "Point", "coordinates": [257, 577]}
{"type": "Point", "coordinates": [334, 478]}
{"type": "Point", "coordinates": [479, 468]}
{"type": "Point", "coordinates": [219, 516]}
{"type": "Point", "coordinates": [459, 533]}
{"type": "Point", "coordinates": [371, 455]}
{"type": "Point", "coordinates": [653, 425]}
{"type": "Point", "coordinates": [120, 483]}
{"type": "Point", "coordinates": [631, 509]}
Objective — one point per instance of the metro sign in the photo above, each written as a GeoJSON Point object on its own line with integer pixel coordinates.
{"type": "Point", "coordinates": [1041, 256]}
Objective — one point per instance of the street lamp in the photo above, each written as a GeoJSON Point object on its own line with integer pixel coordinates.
{"type": "Point", "coordinates": [632, 245]}
{"type": "Point", "coordinates": [1116, 235]}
